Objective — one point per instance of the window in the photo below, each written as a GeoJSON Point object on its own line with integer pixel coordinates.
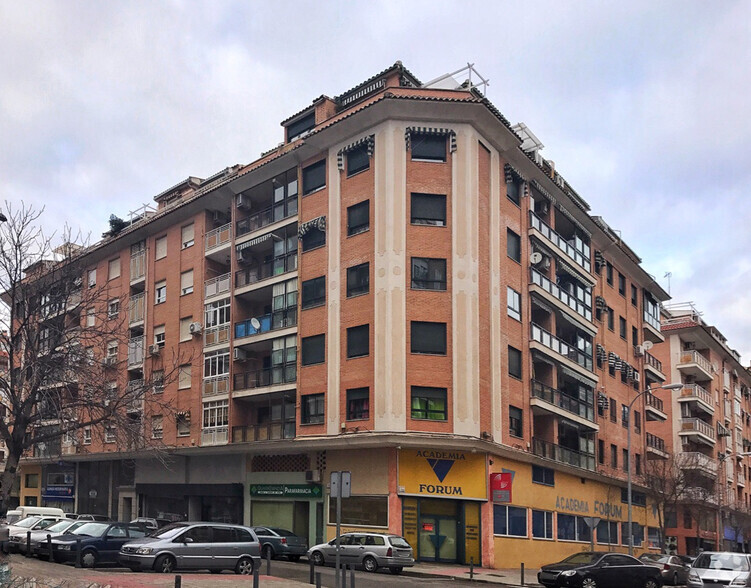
{"type": "Point", "coordinates": [90, 317]}
{"type": "Point", "coordinates": [215, 414]}
{"type": "Point", "coordinates": [112, 349]}
{"type": "Point", "coordinates": [634, 295]}
{"type": "Point", "coordinates": [428, 273]}
{"type": "Point", "coordinates": [159, 338]}
{"type": "Point", "coordinates": [160, 292]}
{"type": "Point", "coordinates": [634, 336]}
{"type": "Point", "coordinates": [638, 532]}
{"type": "Point", "coordinates": [429, 403]}
{"type": "Point", "coordinates": [183, 424]}
{"type": "Point", "coordinates": [113, 308]}
{"type": "Point", "coordinates": [185, 334]}
{"type": "Point", "coordinates": [312, 409]}
{"type": "Point", "coordinates": [297, 128]}
{"type": "Point", "coordinates": [31, 481]}
{"type": "Point", "coordinates": [188, 236]}
{"type": "Point", "coordinates": [637, 464]}
{"type": "Point", "coordinates": [184, 377]}
{"type": "Point", "coordinates": [573, 528]}
{"type": "Point", "coordinates": [87, 435]}
{"type": "Point", "coordinates": [609, 272]}
{"type": "Point", "coordinates": [110, 434]}
{"type": "Point", "coordinates": [428, 209]}
{"type": "Point", "coordinates": [313, 239]}
{"type": "Point", "coordinates": [313, 350]}
{"type": "Point", "coordinates": [358, 218]}
{"type": "Point", "coordinates": [113, 270]}
{"type": "Point", "coordinates": [624, 415]}
{"type": "Point", "coordinates": [625, 460]}
{"type": "Point", "coordinates": [186, 283]}
{"type": "Point", "coordinates": [216, 364]}
{"type": "Point", "coordinates": [91, 278]}
{"type": "Point", "coordinates": [428, 338]}
{"type": "Point", "coordinates": [637, 498]}
{"type": "Point", "coordinates": [611, 319]}
{"type": "Point", "coordinates": [542, 524]}
{"type": "Point", "coordinates": [653, 537]}
{"type": "Point", "coordinates": [428, 147]}
{"type": "Point", "coordinates": [313, 292]}
{"type": "Point", "coordinates": [358, 160]}
{"type": "Point", "coordinates": [515, 424]}
{"type": "Point", "coordinates": [358, 280]}
{"type": "Point", "coordinates": [509, 520]}
{"type": "Point", "coordinates": [622, 327]}
{"type": "Point", "coordinates": [514, 363]}
{"type": "Point", "coordinates": [513, 245]}
{"type": "Point", "coordinates": [514, 303]}
{"type": "Point", "coordinates": [371, 511]}
{"type": "Point", "coordinates": [358, 341]}
{"type": "Point", "coordinates": [601, 451]}
{"type": "Point", "coordinates": [313, 177]}
{"type": "Point", "coordinates": [160, 247]}
{"type": "Point", "coordinates": [217, 313]}
{"type": "Point", "coordinates": [613, 456]}
{"type": "Point", "coordinates": [607, 532]}
{"type": "Point", "coordinates": [157, 426]}
{"type": "Point", "coordinates": [358, 404]}
{"type": "Point", "coordinates": [513, 192]}
{"type": "Point", "coordinates": [637, 421]}
{"type": "Point", "coordinates": [621, 284]}
{"type": "Point", "coordinates": [544, 476]}
{"type": "Point", "coordinates": [157, 378]}
{"type": "Point", "coordinates": [613, 410]}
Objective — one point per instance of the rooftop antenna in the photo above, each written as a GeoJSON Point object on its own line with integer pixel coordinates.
{"type": "Point", "coordinates": [668, 275]}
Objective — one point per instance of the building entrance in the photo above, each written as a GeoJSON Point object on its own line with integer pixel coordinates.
{"type": "Point", "coordinates": [438, 538]}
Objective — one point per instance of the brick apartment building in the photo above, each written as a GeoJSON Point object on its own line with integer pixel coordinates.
{"type": "Point", "coordinates": [405, 289]}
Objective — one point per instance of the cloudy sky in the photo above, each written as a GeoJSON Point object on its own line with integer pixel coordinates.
{"type": "Point", "coordinates": [642, 105]}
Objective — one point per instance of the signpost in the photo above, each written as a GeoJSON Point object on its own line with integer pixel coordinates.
{"type": "Point", "coordinates": [592, 523]}
{"type": "Point", "coordinates": [340, 488]}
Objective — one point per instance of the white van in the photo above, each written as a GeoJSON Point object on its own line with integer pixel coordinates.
{"type": "Point", "coordinates": [24, 511]}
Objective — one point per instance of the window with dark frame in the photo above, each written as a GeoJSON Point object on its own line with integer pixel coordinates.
{"type": "Point", "coordinates": [513, 192]}
{"type": "Point", "coordinates": [513, 245]}
{"type": "Point", "coordinates": [609, 272]}
{"type": "Point", "coordinates": [358, 218]}
{"type": "Point", "coordinates": [313, 350]}
{"type": "Point", "coordinates": [313, 177]}
{"type": "Point", "coordinates": [313, 239]}
{"type": "Point", "coordinates": [358, 404]}
{"type": "Point", "coordinates": [613, 410]}
{"type": "Point", "coordinates": [634, 335]}
{"type": "Point", "coordinates": [634, 295]}
{"type": "Point", "coordinates": [624, 462]}
{"type": "Point", "coordinates": [624, 415]}
{"type": "Point", "coordinates": [428, 338]}
{"type": "Point", "coordinates": [601, 451]}
{"type": "Point", "coordinates": [428, 147]}
{"type": "Point", "coordinates": [312, 409]}
{"type": "Point", "coordinates": [514, 362]}
{"type": "Point", "coordinates": [515, 424]}
{"type": "Point", "coordinates": [622, 327]}
{"type": "Point", "coordinates": [611, 319]}
{"type": "Point", "coordinates": [313, 292]}
{"type": "Point", "coordinates": [613, 456]}
{"type": "Point", "coordinates": [358, 280]}
{"type": "Point", "coordinates": [621, 284]}
{"type": "Point", "coordinates": [513, 303]}
{"type": "Point", "coordinates": [637, 421]}
{"type": "Point", "coordinates": [429, 403]}
{"type": "Point", "coordinates": [301, 126]}
{"type": "Point", "coordinates": [428, 273]}
{"type": "Point", "coordinates": [358, 159]}
{"type": "Point", "coordinates": [428, 209]}
{"type": "Point", "coordinates": [358, 341]}
{"type": "Point", "coordinates": [544, 476]}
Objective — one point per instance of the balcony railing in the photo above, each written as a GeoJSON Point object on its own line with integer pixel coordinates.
{"type": "Point", "coordinates": [137, 266]}
{"type": "Point", "coordinates": [218, 236]}
{"type": "Point", "coordinates": [267, 217]}
{"type": "Point", "coordinates": [135, 394]}
{"type": "Point", "coordinates": [695, 391]}
{"type": "Point", "coordinates": [561, 454]}
{"type": "Point", "coordinates": [561, 400]}
{"type": "Point", "coordinates": [266, 270]}
{"type": "Point", "coordinates": [651, 320]}
{"type": "Point", "coordinates": [136, 307]}
{"type": "Point", "coordinates": [216, 335]}
{"type": "Point", "coordinates": [656, 442]}
{"type": "Point", "coordinates": [566, 349]}
{"type": "Point", "coordinates": [652, 401]}
{"type": "Point", "coordinates": [135, 351]}
{"type": "Point", "coordinates": [217, 285]}
{"type": "Point", "coordinates": [280, 319]}
{"type": "Point", "coordinates": [215, 436]}
{"type": "Point", "coordinates": [283, 374]}
{"type": "Point", "coordinates": [696, 460]}
{"type": "Point", "coordinates": [215, 385]}
{"type": "Point", "coordinates": [698, 426]}
{"type": "Point", "coordinates": [263, 432]}
{"type": "Point", "coordinates": [693, 356]}
{"type": "Point", "coordinates": [698, 494]}
{"type": "Point", "coordinates": [579, 306]}
{"type": "Point", "coordinates": [582, 258]}
{"type": "Point", "coordinates": [652, 361]}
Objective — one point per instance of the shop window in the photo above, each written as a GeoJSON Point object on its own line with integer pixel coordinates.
{"type": "Point", "coordinates": [429, 338]}
{"type": "Point", "coordinates": [358, 218]}
{"type": "Point", "coordinates": [367, 511]}
{"type": "Point", "coordinates": [312, 409]}
{"type": "Point", "coordinates": [313, 177]}
{"type": "Point", "coordinates": [358, 404]}
{"type": "Point", "coordinates": [313, 292]}
{"type": "Point", "coordinates": [607, 533]}
{"type": "Point", "coordinates": [358, 159]}
{"type": "Point", "coordinates": [541, 475]}
{"type": "Point", "coordinates": [31, 481]}
{"type": "Point", "coordinates": [313, 349]}
{"type": "Point", "coordinates": [573, 528]}
{"type": "Point", "coordinates": [428, 209]}
{"type": "Point", "coordinates": [358, 280]}
{"type": "Point", "coordinates": [429, 403]}
{"type": "Point", "coordinates": [358, 341]}
{"type": "Point", "coordinates": [653, 538]}
{"type": "Point", "coordinates": [638, 532]}
{"type": "Point", "coordinates": [542, 524]}
{"type": "Point", "coordinates": [510, 521]}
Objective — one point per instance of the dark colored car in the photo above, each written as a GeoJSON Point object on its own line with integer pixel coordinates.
{"type": "Point", "coordinates": [93, 517]}
{"type": "Point", "coordinates": [592, 569]}
{"type": "Point", "coordinates": [674, 570]}
{"type": "Point", "coordinates": [276, 542]}
{"type": "Point", "coordinates": [100, 542]}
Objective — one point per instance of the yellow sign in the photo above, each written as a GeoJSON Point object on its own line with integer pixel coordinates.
{"type": "Point", "coordinates": [443, 474]}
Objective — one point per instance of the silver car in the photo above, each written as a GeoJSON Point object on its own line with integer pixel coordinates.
{"type": "Point", "coordinates": [39, 536]}
{"type": "Point", "coordinates": [369, 550]}
{"type": "Point", "coordinates": [674, 569]}
{"type": "Point", "coordinates": [198, 545]}
{"type": "Point", "coordinates": [719, 569]}
{"type": "Point", "coordinates": [17, 533]}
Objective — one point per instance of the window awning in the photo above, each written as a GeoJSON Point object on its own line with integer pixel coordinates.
{"type": "Point", "coordinates": [369, 140]}
{"type": "Point", "coordinates": [317, 223]}
{"type": "Point", "coordinates": [577, 376]}
{"type": "Point", "coordinates": [537, 356]}
{"type": "Point", "coordinates": [511, 173]}
{"type": "Point", "coordinates": [430, 131]}
{"type": "Point", "coordinates": [256, 241]}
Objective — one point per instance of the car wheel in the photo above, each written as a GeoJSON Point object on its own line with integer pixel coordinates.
{"type": "Point", "coordinates": [88, 559]}
{"type": "Point", "coordinates": [370, 564]}
{"type": "Point", "coordinates": [244, 566]}
{"type": "Point", "coordinates": [294, 557]}
{"type": "Point", "coordinates": [651, 583]}
{"type": "Point", "coordinates": [267, 552]}
{"type": "Point", "coordinates": [675, 579]}
{"type": "Point", "coordinates": [165, 564]}
{"type": "Point", "coordinates": [396, 571]}
{"type": "Point", "coordinates": [589, 583]}
{"type": "Point", "coordinates": [317, 558]}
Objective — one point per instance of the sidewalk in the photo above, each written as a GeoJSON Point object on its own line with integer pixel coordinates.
{"type": "Point", "coordinates": [502, 577]}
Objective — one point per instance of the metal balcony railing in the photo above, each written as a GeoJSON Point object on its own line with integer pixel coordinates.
{"type": "Point", "coordinates": [656, 442]}
{"type": "Point", "coordinates": [559, 346]}
{"type": "Point", "coordinates": [699, 426]}
{"type": "Point", "coordinates": [280, 319]}
{"type": "Point", "coordinates": [696, 391]}
{"type": "Point", "coordinates": [217, 285]}
{"type": "Point", "coordinates": [697, 460]}
{"type": "Point", "coordinates": [137, 266]}
{"type": "Point", "coordinates": [136, 308]}
{"type": "Point", "coordinates": [652, 361]}
{"type": "Point", "coordinates": [561, 454]}
{"type": "Point", "coordinates": [652, 400]}
{"type": "Point", "coordinates": [561, 400]}
{"type": "Point", "coordinates": [215, 385]}
{"type": "Point", "coordinates": [283, 374]}
{"type": "Point", "coordinates": [267, 217]}
{"type": "Point", "coordinates": [579, 306]}
{"type": "Point", "coordinates": [581, 257]}
{"type": "Point", "coordinates": [264, 271]}
{"type": "Point", "coordinates": [263, 432]}
{"type": "Point", "coordinates": [216, 335]}
{"type": "Point", "coordinates": [694, 356]}
{"type": "Point", "coordinates": [218, 236]}
{"type": "Point", "coordinates": [215, 436]}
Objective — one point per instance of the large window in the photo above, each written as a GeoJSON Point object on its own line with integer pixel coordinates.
{"type": "Point", "coordinates": [514, 362]}
{"type": "Point", "coordinates": [358, 159]}
{"type": "Point", "coordinates": [215, 414]}
{"type": "Point", "coordinates": [428, 273]}
{"type": "Point", "coordinates": [542, 524]}
{"type": "Point", "coordinates": [217, 313]}
{"type": "Point", "coordinates": [312, 408]}
{"type": "Point", "coordinates": [358, 341]}
{"type": "Point", "coordinates": [216, 364]}
{"type": "Point", "coordinates": [428, 209]}
{"type": "Point", "coordinates": [638, 534]}
{"type": "Point", "coordinates": [513, 303]}
{"type": "Point", "coordinates": [429, 403]}
{"type": "Point", "coordinates": [428, 338]}
{"type": "Point", "coordinates": [358, 279]}
{"type": "Point", "coordinates": [358, 404]}
{"type": "Point", "coordinates": [428, 147]}
{"type": "Point", "coordinates": [358, 218]}
{"type": "Point", "coordinates": [314, 177]}
{"type": "Point", "coordinates": [368, 511]}
{"type": "Point", "coordinates": [313, 349]}
{"type": "Point", "coordinates": [509, 520]}
{"type": "Point", "coordinates": [513, 245]}
{"type": "Point", "coordinates": [573, 528]}
{"type": "Point", "coordinates": [314, 292]}
{"type": "Point", "coordinates": [607, 532]}
{"type": "Point", "coordinates": [313, 239]}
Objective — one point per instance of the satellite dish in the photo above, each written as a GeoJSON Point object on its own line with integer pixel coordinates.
{"type": "Point", "coordinates": [647, 345]}
{"type": "Point", "coordinates": [255, 323]}
{"type": "Point", "coordinates": [535, 258]}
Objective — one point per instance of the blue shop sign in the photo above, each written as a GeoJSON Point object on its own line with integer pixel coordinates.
{"type": "Point", "coordinates": [60, 492]}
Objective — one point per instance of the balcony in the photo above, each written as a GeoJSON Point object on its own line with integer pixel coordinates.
{"type": "Point", "coordinates": [701, 495]}
{"type": "Point", "coordinates": [135, 394]}
{"type": "Point", "coordinates": [741, 479]}
{"type": "Point", "coordinates": [216, 286]}
{"type": "Point", "coordinates": [263, 379]}
{"type": "Point", "coordinates": [694, 460]}
{"type": "Point", "coordinates": [267, 217]}
{"type": "Point", "coordinates": [218, 237]}
{"type": "Point", "coordinates": [654, 408]}
{"type": "Point", "coordinates": [69, 448]}
{"type": "Point", "coordinates": [263, 432]}
{"type": "Point", "coordinates": [693, 363]}
{"type": "Point", "coordinates": [215, 385]}
{"type": "Point", "coordinates": [280, 319]}
{"type": "Point", "coordinates": [656, 447]}
{"type": "Point", "coordinates": [581, 257]}
{"type": "Point", "coordinates": [216, 335]}
{"type": "Point", "coordinates": [266, 270]}
{"type": "Point", "coordinates": [551, 290]}
{"type": "Point", "coordinates": [653, 366]}
{"type": "Point", "coordinates": [698, 430]}
{"type": "Point", "coordinates": [136, 308]}
{"type": "Point", "coordinates": [567, 351]}
{"type": "Point", "coordinates": [698, 397]}
{"type": "Point", "coordinates": [135, 353]}
{"type": "Point", "coordinates": [561, 454]}
{"type": "Point", "coordinates": [554, 401]}
{"type": "Point", "coordinates": [137, 266]}
{"type": "Point", "coordinates": [215, 436]}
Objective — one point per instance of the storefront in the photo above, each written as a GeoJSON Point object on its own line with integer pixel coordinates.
{"type": "Point", "coordinates": [59, 488]}
{"type": "Point", "coordinates": [293, 506]}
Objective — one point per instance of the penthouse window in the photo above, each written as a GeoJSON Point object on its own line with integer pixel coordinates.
{"type": "Point", "coordinates": [313, 177]}
{"type": "Point", "coordinates": [428, 273]}
{"type": "Point", "coordinates": [358, 341]}
{"type": "Point", "coordinates": [429, 403]}
{"type": "Point", "coordinates": [313, 292]}
{"type": "Point", "coordinates": [428, 338]}
{"type": "Point", "coordinates": [358, 218]}
{"type": "Point", "coordinates": [301, 126]}
{"type": "Point", "coordinates": [513, 191]}
{"type": "Point", "coordinates": [358, 280]}
{"type": "Point", "coordinates": [358, 160]}
{"type": "Point", "coordinates": [428, 209]}
{"type": "Point", "coordinates": [313, 350]}
{"type": "Point", "coordinates": [428, 147]}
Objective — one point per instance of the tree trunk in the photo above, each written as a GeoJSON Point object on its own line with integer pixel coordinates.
{"type": "Point", "coordinates": [7, 478]}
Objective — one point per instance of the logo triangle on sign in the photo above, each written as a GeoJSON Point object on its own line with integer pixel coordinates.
{"type": "Point", "coordinates": [441, 467]}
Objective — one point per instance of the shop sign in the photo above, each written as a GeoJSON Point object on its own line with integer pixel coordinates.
{"type": "Point", "coordinates": [576, 505]}
{"type": "Point", "coordinates": [500, 487]}
{"type": "Point", "coordinates": [287, 490]}
{"type": "Point", "coordinates": [58, 492]}
{"type": "Point", "coordinates": [443, 473]}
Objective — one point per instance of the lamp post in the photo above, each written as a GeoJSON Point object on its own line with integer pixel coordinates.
{"type": "Point", "coordinates": [674, 386]}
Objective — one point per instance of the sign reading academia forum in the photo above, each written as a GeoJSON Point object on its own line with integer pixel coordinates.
{"type": "Point", "coordinates": [443, 474]}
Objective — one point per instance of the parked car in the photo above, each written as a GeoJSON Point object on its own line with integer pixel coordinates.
{"type": "Point", "coordinates": [369, 550]}
{"type": "Point", "coordinates": [39, 538]}
{"type": "Point", "coordinates": [150, 523]}
{"type": "Point", "coordinates": [194, 545]}
{"type": "Point", "coordinates": [100, 542]}
{"type": "Point", "coordinates": [593, 569]}
{"type": "Point", "coordinates": [720, 568]}
{"type": "Point", "coordinates": [93, 517]}
{"type": "Point", "coordinates": [12, 516]}
{"type": "Point", "coordinates": [275, 542]}
{"type": "Point", "coordinates": [17, 533]}
{"type": "Point", "coordinates": [674, 569]}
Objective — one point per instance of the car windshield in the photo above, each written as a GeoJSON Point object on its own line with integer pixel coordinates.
{"type": "Point", "coordinates": [91, 529]}
{"type": "Point", "coordinates": [282, 532]}
{"type": "Point", "coordinates": [169, 531]}
{"type": "Point", "coordinates": [582, 559]}
{"type": "Point", "coordinates": [28, 522]}
{"type": "Point", "coordinates": [398, 542]}
{"type": "Point", "coordinates": [44, 523]}
{"type": "Point", "coordinates": [60, 526]}
{"type": "Point", "coordinates": [734, 562]}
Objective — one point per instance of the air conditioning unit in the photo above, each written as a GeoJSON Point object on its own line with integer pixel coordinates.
{"type": "Point", "coordinates": [110, 360]}
{"type": "Point", "coordinates": [218, 217]}
{"type": "Point", "coordinates": [638, 350]}
{"type": "Point", "coordinates": [313, 476]}
{"type": "Point", "coordinates": [243, 202]}
{"type": "Point", "coordinates": [154, 349]}
{"type": "Point", "coordinates": [195, 328]}
{"type": "Point", "coordinates": [239, 354]}
{"type": "Point", "coordinates": [243, 257]}
{"type": "Point", "coordinates": [543, 208]}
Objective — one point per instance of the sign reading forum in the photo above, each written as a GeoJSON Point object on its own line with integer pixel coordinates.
{"type": "Point", "coordinates": [442, 473]}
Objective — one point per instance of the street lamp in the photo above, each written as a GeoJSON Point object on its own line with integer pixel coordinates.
{"type": "Point", "coordinates": [674, 386]}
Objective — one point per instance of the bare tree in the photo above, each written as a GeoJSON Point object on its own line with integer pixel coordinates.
{"type": "Point", "coordinates": [67, 344]}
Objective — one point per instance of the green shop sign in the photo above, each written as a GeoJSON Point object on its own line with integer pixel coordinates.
{"type": "Point", "coordinates": [291, 490]}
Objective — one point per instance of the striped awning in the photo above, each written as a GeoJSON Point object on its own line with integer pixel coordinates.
{"type": "Point", "coordinates": [369, 140]}
{"type": "Point", "coordinates": [540, 304]}
{"type": "Point", "coordinates": [317, 223]}
{"type": "Point", "coordinates": [537, 186]}
{"type": "Point", "coordinates": [430, 131]}
{"type": "Point", "coordinates": [511, 173]}
{"type": "Point", "coordinates": [570, 217]}
{"type": "Point", "coordinates": [600, 352]}
{"type": "Point", "coordinates": [253, 242]}
{"type": "Point", "coordinates": [537, 356]}
{"type": "Point", "coordinates": [579, 377]}
{"type": "Point", "coordinates": [612, 359]}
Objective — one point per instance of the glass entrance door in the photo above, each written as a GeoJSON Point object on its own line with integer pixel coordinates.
{"type": "Point", "coordinates": [437, 538]}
